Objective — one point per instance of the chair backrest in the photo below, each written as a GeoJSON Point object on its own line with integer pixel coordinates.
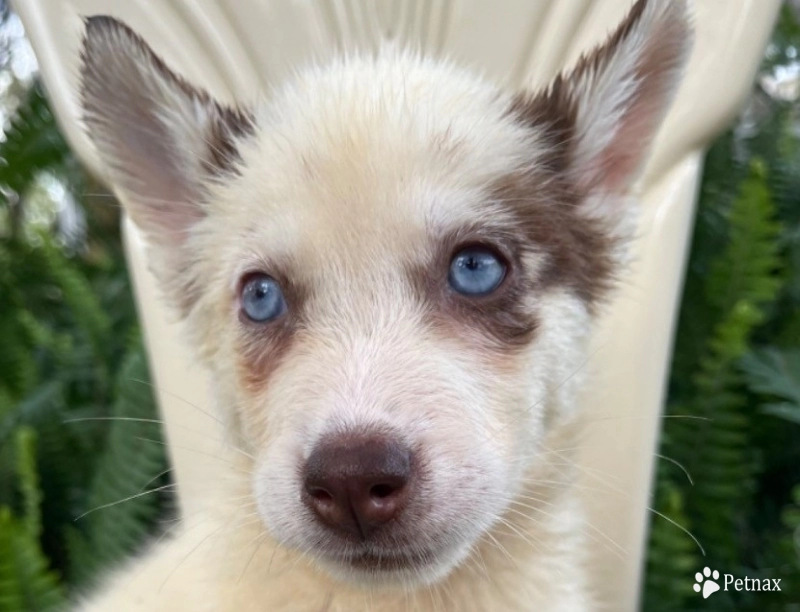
{"type": "Point", "coordinates": [236, 49]}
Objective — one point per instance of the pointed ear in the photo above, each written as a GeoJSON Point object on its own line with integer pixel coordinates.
{"type": "Point", "coordinates": [160, 139]}
{"type": "Point", "coordinates": [602, 116]}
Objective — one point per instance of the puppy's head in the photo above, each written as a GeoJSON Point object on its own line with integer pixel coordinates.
{"type": "Point", "coordinates": [390, 268]}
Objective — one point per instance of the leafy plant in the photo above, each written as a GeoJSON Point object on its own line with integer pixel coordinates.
{"type": "Point", "coordinates": [26, 583]}
{"type": "Point", "coordinates": [73, 377]}
{"type": "Point", "coordinates": [121, 512]}
{"type": "Point", "coordinates": [736, 370]}
{"type": "Point", "coordinates": [775, 372]}
{"type": "Point", "coordinates": [715, 447]}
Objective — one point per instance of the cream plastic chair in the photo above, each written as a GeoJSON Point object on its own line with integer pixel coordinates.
{"type": "Point", "coordinates": [236, 48]}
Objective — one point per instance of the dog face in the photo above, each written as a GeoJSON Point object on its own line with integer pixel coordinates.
{"type": "Point", "coordinates": [390, 268]}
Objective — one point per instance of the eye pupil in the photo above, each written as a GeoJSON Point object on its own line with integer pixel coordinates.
{"type": "Point", "coordinates": [476, 271]}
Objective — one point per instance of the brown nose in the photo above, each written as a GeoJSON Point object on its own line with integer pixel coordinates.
{"type": "Point", "coordinates": [356, 483]}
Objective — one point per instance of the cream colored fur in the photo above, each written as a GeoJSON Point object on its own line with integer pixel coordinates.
{"type": "Point", "coordinates": [348, 177]}
{"type": "Point", "coordinates": [530, 558]}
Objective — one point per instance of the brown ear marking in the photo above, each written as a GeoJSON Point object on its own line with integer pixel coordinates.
{"type": "Point", "coordinates": [545, 201]}
{"type": "Point", "coordinates": [226, 124]}
{"type": "Point", "coordinates": [223, 154]}
{"type": "Point", "coordinates": [591, 130]}
{"type": "Point", "coordinates": [618, 92]}
{"type": "Point", "coordinates": [553, 114]}
{"type": "Point", "coordinates": [555, 108]}
{"type": "Point", "coordinates": [162, 142]}
{"type": "Point", "coordinates": [675, 29]}
{"type": "Point", "coordinates": [601, 53]}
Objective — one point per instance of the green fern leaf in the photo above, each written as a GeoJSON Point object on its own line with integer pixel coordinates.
{"type": "Point", "coordinates": [775, 372]}
{"type": "Point", "coordinates": [26, 583]}
{"type": "Point", "coordinates": [29, 481]}
{"type": "Point", "coordinates": [742, 280]}
{"type": "Point", "coordinates": [11, 595]}
{"type": "Point", "coordinates": [32, 142]}
{"type": "Point", "coordinates": [672, 555]}
{"type": "Point", "coordinates": [120, 512]}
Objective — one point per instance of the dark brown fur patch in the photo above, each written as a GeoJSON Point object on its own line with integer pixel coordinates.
{"type": "Point", "coordinates": [546, 200]}
{"type": "Point", "coordinates": [590, 62]}
{"type": "Point", "coordinates": [501, 317]}
{"type": "Point", "coordinates": [578, 249]}
{"type": "Point", "coordinates": [227, 124]}
{"type": "Point", "coordinates": [575, 251]}
{"type": "Point", "coordinates": [554, 110]}
{"type": "Point", "coordinates": [544, 204]}
{"type": "Point", "coordinates": [260, 352]}
{"type": "Point", "coordinates": [552, 113]}
{"type": "Point", "coordinates": [119, 75]}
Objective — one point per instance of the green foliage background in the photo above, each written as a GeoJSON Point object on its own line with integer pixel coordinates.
{"type": "Point", "coordinates": [733, 413]}
{"type": "Point", "coordinates": [71, 361]}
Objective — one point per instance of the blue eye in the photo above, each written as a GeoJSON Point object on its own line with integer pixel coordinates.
{"type": "Point", "coordinates": [262, 298]}
{"type": "Point", "coordinates": [476, 271]}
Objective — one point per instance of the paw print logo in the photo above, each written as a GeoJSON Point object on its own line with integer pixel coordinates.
{"type": "Point", "coordinates": [708, 580]}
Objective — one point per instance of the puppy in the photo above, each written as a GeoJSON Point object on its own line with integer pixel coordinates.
{"type": "Point", "coordinates": [391, 269]}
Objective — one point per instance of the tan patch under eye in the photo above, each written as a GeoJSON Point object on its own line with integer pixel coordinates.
{"type": "Point", "coordinates": [263, 345]}
{"type": "Point", "coordinates": [260, 353]}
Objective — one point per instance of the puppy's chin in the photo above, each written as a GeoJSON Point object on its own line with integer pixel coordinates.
{"type": "Point", "coordinates": [421, 560]}
{"type": "Point", "coordinates": [393, 570]}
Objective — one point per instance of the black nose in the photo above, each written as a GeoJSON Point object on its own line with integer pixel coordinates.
{"type": "Point", "coordinates": [358, 482]}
